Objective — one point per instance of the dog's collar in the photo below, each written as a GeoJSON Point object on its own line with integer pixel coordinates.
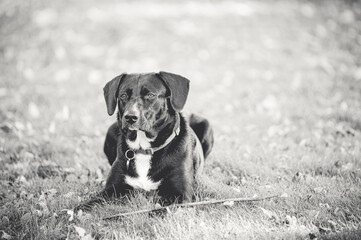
{"type": "Point", "coordinates": [130, 153]}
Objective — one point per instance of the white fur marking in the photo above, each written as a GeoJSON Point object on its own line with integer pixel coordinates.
{"type": "Point", "coordinates": [142, 165]}
{"type": "Point", "coordinates": [135, 108]}
{"type": "Point", "coordinates": [140, 142]}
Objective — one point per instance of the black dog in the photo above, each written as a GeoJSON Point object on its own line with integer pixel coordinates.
{"type": "Point", "coordinates": [153, 146]}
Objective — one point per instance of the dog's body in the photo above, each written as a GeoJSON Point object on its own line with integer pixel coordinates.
{"type": "Point", "coordinates": [153, 146]}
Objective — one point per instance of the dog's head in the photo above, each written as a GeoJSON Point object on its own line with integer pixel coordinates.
{"type": "Point", "coordinates": [145, 101]}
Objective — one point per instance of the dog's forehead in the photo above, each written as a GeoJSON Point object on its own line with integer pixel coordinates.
{"type": "Point", "coordinates": [151, 81]}
{"type": "Point", "coordinates": [148, 81]}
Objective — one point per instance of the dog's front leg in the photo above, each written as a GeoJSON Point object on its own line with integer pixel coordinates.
{"type": "Point", "coordinates": [114, 187]}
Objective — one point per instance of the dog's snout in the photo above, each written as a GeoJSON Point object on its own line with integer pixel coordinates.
{"type": "Point", "coordinates": [131, 118]}
{"type": "Point", "coordinates": [131, 115]}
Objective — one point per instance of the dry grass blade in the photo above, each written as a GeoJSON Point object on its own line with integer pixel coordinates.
{"type": "Point", "coordinates": [192, 204]}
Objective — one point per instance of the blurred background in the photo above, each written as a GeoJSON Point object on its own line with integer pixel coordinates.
{"type": "Point", "coordinates": [267, 74]}
{"type": "Point", "coordinates": [280, 82]}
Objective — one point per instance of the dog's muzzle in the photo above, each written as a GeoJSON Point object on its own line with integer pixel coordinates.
{"type": "Point", "coordinates": [131, 118]}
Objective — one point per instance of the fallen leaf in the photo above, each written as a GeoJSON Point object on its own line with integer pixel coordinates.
{"type": "Point", "coordinates": [347, 167]}
{"type": "Point", "coordinates": [314, 214]}
{"type": "Point", "coordinates": [318, 189]}
{"type": "Point", "coordinates": [71, 214]}
{"type": "Point", "coordinates": [228, 203]}
{"type": "Point", "coordinates": [243, 180]}
{"type": "Point", "coordinates": [42, 204]}
{"type": "Point", "coordinates": [291, 220]}
{"type": "Point", "coordinates": [168, 210]}
{"type": "Point", "coordinates": [323, 230]}
{"type": "Point", "coordinates": [5, 220]}
{"type": "Point", "coordinates": [25, 218]}
{"type": "Point", "coordinates": [22, 180]}
{"type": "Point", "coordinates": [325, 205]}
{"type": "Point", "coordinates": [39, 213]}
{"type": "Point", "coordinates": [304, 143]}
{"type": "Point", "coordinates": [99, 174]}
{"type": "Point", "coordinates": [332, 223]}
{"type": "Point", "coordinates": [81, 231]}
{"type": "Point", "coordinates": [80, 213]}
{"type": "Point", "coordinates": [284, 195]}
{"type": "Point", "coordinates": [87, 237]}
{"type": "Point", "coordinates": [268, 213]}
{"type": "Point", "coordinates": [4, 235]}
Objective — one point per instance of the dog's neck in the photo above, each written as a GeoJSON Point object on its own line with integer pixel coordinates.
{"type": "Point", "coordinates": [171, 126]}
{"type": "Point", "coordinates": [138, 140]}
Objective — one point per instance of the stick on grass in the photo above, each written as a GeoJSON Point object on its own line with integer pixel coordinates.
{"type": "Point", "coordinates": [191, 204]}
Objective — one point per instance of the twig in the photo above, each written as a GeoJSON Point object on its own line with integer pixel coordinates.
{"type": "Point", "coordinates": [191, 204]}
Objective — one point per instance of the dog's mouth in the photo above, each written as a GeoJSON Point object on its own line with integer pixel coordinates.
{"type": "Point", "coordinates": [130, 131]}
{"type": "Point", "coordinates": [149, 126]}
{"type": "Point", "coordinates": [138, 126]}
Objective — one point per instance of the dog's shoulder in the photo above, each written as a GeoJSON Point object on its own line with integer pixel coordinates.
{"type": "Point", "coordinates": [193, 143]}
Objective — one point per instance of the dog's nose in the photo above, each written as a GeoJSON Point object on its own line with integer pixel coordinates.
{"type": "Point", "coordinates": [131, 118]}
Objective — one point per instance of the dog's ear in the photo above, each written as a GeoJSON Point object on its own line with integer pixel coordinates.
{"type": "Point", "coordinates": [178, 87]}
{"type": "Point", "coordinates": [111, 92]}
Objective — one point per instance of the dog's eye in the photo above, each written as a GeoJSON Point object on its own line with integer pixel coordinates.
{"type": "Point", "coordinates": [150, 95]}
{"type": "Point", "coordinates": [123, 96]}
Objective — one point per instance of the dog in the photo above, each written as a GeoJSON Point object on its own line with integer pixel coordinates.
{"type": "Point", "coordinates": [153, 146]}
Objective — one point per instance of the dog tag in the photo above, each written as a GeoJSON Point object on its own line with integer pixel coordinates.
{"type": "Point", "coordinates": [130, 155]}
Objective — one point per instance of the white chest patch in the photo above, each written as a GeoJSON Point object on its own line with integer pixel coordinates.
{"type": "Point", "coordinates": [142, 165]}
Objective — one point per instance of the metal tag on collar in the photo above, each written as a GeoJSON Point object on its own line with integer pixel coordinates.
{"type": "Point", "coordinates": [177, 131]}
{"type": "Point", "coordinates": [130, 155]}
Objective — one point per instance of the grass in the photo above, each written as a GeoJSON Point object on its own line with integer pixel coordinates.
{"type": "Point", "coordinates": [279, 81]}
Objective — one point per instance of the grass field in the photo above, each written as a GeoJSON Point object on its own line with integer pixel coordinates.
{"type": "Point", "coordinates": [280, 82]}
